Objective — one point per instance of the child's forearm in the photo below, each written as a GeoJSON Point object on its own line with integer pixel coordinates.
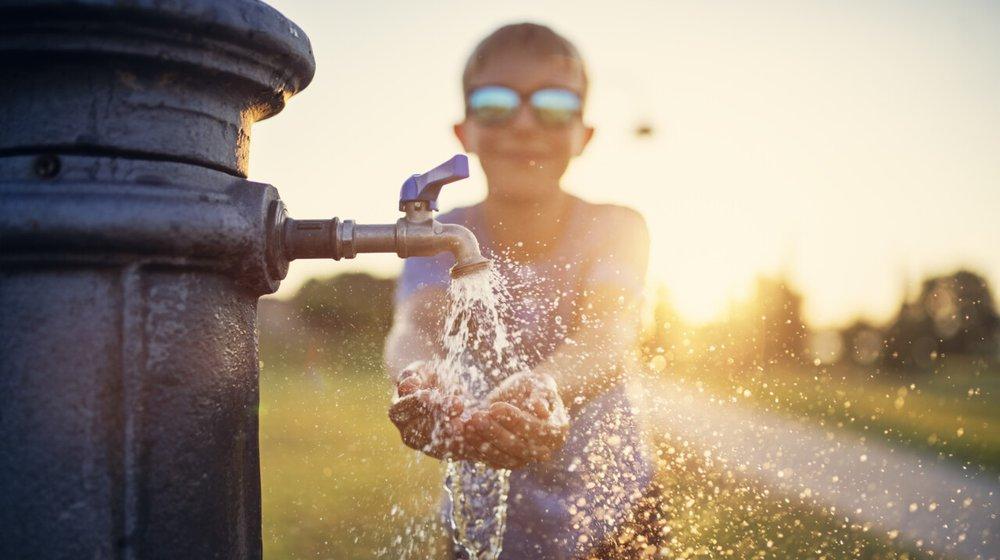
{"type": "Point", "coordinates": [415, 332]}
{"type": "Point", "coordinates": [402, 350]}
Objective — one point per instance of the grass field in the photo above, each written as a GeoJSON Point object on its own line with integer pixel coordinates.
{"type": "Point", "coordinates": [337, 483]}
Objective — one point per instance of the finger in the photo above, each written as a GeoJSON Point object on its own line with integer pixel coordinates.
{"type": "Point", "coordinates": [540, 441]}
{"type": "Point", "coordinates": [405, 409]}
{"type": "Point", "coordinates": [484, 447]}
{"type": "Point", "coordinates": [519, 422]}
{"type": "Point", "coordinates": [508, 443]}
{"type": "Point", "coordinates": [417, 437]}
{"type": "Point", "coordinates": [540, 432]}
{"type": "Point", "coordinates": [500, 460]}
{"type": "Point", "coordinates": [540, 408]}
{"type": "Point", "coordinates": [516, 389]}
{"type": "Point", "coordinates": [453, 406]}
{"type": "Point", "coordinates": [512, 418]}
{"type": "Point", "coordinates": [411, 370]}
{"type": "Point", "coordinates": [408, 385]}
{"type": "Point", "coordinates": [493, 457]}
{"type": "Point", "coordinates": [431, 378]}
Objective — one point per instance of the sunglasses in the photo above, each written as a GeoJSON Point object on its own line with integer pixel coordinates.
{"type": "Point", "coordinates": [495, 105]}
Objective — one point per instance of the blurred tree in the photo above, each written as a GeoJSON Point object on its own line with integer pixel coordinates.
{"type": "Point", "coordinates": [862, 342]}
{"type": "Point", "coordinates": [952, 315]}
{"type": "Point", "coordinates": [661, 337]}
{"type": "Point", "coordinates": [963, 312]}
{"type": "Point", "coordinates": [910, 340]}
{"type": "Point", "coordinates": [333, 324]}
{"type": "Point", "coordinates": [772, 323]}
{"type": "Point", "coordinates": [348, 304]}
{"type": "Point", "coordinates": [767, 329]}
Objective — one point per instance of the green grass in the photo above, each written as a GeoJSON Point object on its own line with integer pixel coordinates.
{"type": "Point", "coordinates": [337, 483]}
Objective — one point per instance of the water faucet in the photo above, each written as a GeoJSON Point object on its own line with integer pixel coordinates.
{"type": "Point", "coordinates": [416, 234]}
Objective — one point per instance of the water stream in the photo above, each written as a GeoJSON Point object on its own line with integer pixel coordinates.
{"type": "Point", "coordinates": [479, 354]}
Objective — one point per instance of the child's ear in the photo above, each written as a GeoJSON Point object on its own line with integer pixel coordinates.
{"type": "Point", "coordinates": [586, 134]}
{"type": "Point", "coordinates": [460, 133]}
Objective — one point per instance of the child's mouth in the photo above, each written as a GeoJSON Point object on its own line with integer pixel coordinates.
{"type": "Point", "coordinates": [528, 157]}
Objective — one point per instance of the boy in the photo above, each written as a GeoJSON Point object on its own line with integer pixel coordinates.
{"type": "Point", "coordinates": [574, 489]}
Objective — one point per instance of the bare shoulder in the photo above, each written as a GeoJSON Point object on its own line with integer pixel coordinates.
{"type": "Point", "coordinates": [615, 219]}
{"type": "Point", "coordinates": [461, 215]}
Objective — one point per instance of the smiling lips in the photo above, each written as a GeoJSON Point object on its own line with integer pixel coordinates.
{"type": "Point", "coordinates": [524, 155]}
{"type": "Point", "coordinates": [521, 153]}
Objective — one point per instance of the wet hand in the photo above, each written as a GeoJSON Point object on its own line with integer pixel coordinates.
{"type": "Point", "coordinates": [525, 421]}
{"type": "Point", "coordinates": [427, 420]}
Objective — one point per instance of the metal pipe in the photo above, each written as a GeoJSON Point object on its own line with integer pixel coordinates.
{"type": "Point", "coordinates": [336, 239]}
{"type": "Point", "coordinates": [359, 238]}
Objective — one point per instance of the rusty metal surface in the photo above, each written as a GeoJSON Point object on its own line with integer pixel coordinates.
{"type": "Point", "coordinates": [132, 254]}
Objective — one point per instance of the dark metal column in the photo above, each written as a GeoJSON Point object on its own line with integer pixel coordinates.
{"type": "Point", "coordinates": [132, 254]}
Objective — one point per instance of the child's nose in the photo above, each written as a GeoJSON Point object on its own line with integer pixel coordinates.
{"type": "Point", "coordinates": [524, 118]}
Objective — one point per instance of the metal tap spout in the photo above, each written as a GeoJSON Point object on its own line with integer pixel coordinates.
{"type": "Point", "coordinates": [419, 235]}
{"type": "Point", "coordinates": [416, 234]}
{"type": "Point", "coordinates": [465, 247]}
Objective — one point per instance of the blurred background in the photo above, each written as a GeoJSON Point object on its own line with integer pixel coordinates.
{"type": "Point", "coordinates": [821, 184]}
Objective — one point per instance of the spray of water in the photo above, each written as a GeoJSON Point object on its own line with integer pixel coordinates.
{"type": "Point", "coordinates": [478, 356]}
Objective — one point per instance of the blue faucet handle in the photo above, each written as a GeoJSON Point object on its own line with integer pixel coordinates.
{"type": "Point", "coordinates": [427, 187]}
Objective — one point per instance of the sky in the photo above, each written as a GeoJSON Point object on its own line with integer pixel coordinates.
{"type": "Point", "coordinates": [852, 146]}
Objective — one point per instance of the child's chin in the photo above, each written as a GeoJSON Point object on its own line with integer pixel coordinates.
{"type": "Point", "coordinates": [523, 189]}
{"type": "Point", "coordinates": [525, 170]}
{"type": "Point", "coordinates": [530, 163]}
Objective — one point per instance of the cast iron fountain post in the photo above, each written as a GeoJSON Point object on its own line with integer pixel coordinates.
{"type": "Point", "coordinates": [132, 254]}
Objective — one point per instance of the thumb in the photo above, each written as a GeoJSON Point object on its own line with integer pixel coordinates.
{"type": "Point", "coordinates": [408, 385]}
{"type": "Point", "coordinates": [539, 407]}
{"type": "Point", "coordinates": [453, 406]}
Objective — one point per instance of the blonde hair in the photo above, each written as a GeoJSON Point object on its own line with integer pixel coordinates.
{"type": "Point", "coordinates": [525, 38]}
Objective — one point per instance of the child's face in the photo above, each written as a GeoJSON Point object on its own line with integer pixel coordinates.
{"type": "Point", "coordinates": [524, 160]}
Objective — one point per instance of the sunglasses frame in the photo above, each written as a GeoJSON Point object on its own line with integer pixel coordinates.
{"type": "Point", "coordinates": [524, 99]}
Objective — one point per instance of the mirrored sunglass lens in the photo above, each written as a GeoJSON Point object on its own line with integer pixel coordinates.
{"type": "Point", "coordinates": [493, 104]}
{"type": "Point", "coordinates": [555, 106]}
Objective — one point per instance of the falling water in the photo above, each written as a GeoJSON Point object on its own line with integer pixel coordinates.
{"type": "Point", "coordinates": [479, 355]}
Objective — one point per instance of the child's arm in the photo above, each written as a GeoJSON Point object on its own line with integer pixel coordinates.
{"type": "Point", "coordinates": [416, 328]}
{"type": "Point", "coordinates": [604, 348]}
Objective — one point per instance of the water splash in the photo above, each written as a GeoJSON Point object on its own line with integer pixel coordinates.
{"type": "Point", "coordinates": [479, 355]}
{"type": "Point", "coordinates": [478, 350]}
{"type": "Point", "coordinates": [478, 507]}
